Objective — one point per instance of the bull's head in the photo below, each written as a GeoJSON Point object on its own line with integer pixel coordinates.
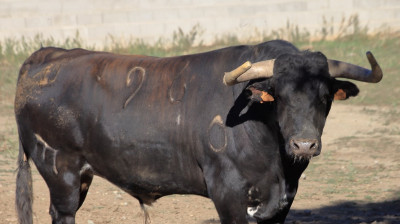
{"type": "Point", "coordinates": [303, 86]}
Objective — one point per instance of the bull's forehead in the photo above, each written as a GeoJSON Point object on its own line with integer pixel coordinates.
{"type": "Point", "coordinates": [302, 81]}
{"type": "Point", "coordinates": [299, 89]}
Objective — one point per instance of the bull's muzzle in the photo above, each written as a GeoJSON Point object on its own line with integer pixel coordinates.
{"type": "Point", "coordinates": [304, 148]}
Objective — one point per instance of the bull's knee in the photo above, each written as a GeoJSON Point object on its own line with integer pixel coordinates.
{"type": "Point", "coordinates": [64, 197]}
{"type": "Point", "coordinates": [60, 217]}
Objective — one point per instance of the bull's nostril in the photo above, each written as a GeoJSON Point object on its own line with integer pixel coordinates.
{"type": "Point", "coordinates": [294, 145]}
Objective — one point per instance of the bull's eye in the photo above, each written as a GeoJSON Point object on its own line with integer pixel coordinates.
{"type": "Point", "coordinates": [324, 94]}
{"type": "Point", "coordinates": [324, 99]}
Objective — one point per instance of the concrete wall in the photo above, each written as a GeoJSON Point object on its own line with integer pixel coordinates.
{"type": "Point", "coordinates": [95, 20]}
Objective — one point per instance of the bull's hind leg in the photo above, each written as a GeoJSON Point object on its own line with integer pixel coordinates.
{"type": "Point", "coordinates": [68, 187]}
{"type": "Point", "coordinates": [66, 176]}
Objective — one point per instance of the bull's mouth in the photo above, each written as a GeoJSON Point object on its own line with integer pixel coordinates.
{"type": "Point", "coordinates": [304, 156]}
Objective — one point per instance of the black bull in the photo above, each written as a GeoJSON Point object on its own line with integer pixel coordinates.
{"type": "Point", "coordinates": [161, 126]}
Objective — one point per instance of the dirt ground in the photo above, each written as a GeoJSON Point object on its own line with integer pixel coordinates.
{"type": "Point", "coordinates": [356, 179]}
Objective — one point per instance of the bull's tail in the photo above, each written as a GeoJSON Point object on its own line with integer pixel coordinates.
{"type": "Point", "coordinates": [24, 195]}
{"type": "Point", "coordinates": [147, 219]}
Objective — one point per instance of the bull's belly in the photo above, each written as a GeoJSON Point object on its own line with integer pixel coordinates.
{"type": "Point", "coordinates": [147, 170]}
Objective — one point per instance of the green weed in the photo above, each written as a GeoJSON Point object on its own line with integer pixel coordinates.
{"type": "Point", "coordinates": [348, 43]}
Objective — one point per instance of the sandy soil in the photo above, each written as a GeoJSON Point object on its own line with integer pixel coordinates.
{"type": "Point", "coordinates": [356, 179]}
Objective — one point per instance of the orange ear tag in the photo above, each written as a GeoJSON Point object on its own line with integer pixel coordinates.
{"type": "Point", "coordinates": [340, 95]}
{"type": "Point", "coordinates": [266, 97]}
{"type": "Point", "coordinates": [260, 96]}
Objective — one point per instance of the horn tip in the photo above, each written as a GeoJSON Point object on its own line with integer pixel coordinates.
{"type": "Point", "coordinates": [224, 81]}
{"type": "Point", "coordinates": [371, 58]}
{"type": "Point", "coordinates": [230, 77]}
{"type": "Point", "coordinates": [376, 69]}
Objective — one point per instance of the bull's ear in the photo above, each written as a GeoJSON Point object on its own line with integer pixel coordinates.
{"type": "Point", "coordinates": [344, 89]}
{"type": "Point", "coordinates": [260, 92]}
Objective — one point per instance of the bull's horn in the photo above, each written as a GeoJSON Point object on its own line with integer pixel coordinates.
{"type": "Point", "coordinates": [230, 77]}
{"type": "Point", "coordinates": [249, 71]}
{"type": "Point", "coordinates": [350, 71]}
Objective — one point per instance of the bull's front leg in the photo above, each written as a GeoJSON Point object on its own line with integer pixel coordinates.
{"type": "Point", "coordinates": [227, 192]}
{"type": "Point", "coordinates": [230, 210]}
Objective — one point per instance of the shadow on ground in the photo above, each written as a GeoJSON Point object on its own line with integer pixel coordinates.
{"type": "Point", "coordinates": [386, 212]}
